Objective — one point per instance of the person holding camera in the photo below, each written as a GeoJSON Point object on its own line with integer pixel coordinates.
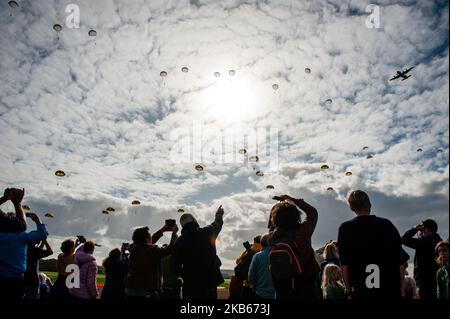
{"type": "Point", "coordinates": [144, 267]}
{"type": "Point", "coordinates": [425, 266]}
{"type": "Point", "coordinates": [13, 223]}
{"type": "Point", "coordinates": [116, 269]}
{"type": "Point", "coordinates": [195, 259]}
{"type": "Point", "coordinates": [13, 252]}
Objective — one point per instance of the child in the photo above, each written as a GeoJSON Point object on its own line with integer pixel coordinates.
{"type": "Point", "coordinates": [442, 275]}
{"type": "Point", "coordinates": [332, 286]}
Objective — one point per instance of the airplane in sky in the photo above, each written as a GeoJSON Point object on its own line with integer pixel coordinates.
{"type": "Point", "coordinates": [402, 74]}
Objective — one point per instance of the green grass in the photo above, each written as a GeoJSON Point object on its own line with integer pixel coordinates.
{"type": "Point", "coordinates": [226, 284]}
{"type": "Point", "coordinates": [53, 275]}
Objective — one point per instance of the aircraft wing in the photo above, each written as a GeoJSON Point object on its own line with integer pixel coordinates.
{"type": "Point", "coordinates": [407, 70]}
{"type": "Point", "coordinates": [395, 77]}
{"type": "Point", "coordinates": [405, 77]}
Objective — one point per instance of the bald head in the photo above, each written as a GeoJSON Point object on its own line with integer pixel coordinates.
{"type": "Point", "coordinates": [186, 219]}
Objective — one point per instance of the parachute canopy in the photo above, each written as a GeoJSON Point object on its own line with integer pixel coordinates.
{"type": "Point", "coordinates": [217, 74]}
{"type": "Point", "coordinates": [419, 150]}
{"type": "Point", "coordinates": [185, 69]}
{"type": "Point", "coordinates": [105, 212]}
{"type": "Point", "coordinates": [180, 210]}
{"type": "Point", "coordinates": [348, 173]}
{"type": "Point", "coordinates": [270, 187]}
{"type": "Point", "coordinates": [135, 202]}
{"type": "Point", "coordinates": [57, 27]}
{"type": "Point", "coordinates": [370, 156]}
{"type": "Point", "coordinates": [259, 173]}
{"type": "Point", "coordinates": [365, 148]}
{"type": "Point", "coordinates": [232, 73]}
{"type": "Point", "coordinates": [199, 167]}
{"type": "Point", "coordinates": [328, 101]}
{"type": "Point", "coordinates": [49, 215]}
{"type": "Point", "coordinates": [324, 167]}
{"type": "Point", "coordinates": [242, 151]}
{"type": "Point", "coordinates": [110, 209]}
{"type": "Point", "coordinates": [60, 173]}
{"type": "Point", "coordinates": [307, 70]}
{"type": "Point", "coordinates": [163, 74]}
{"type": "Point", "coordinates": [13, 4]}
{"type": "Point", "coordinates": [330, 189]}
{"type": "Point", "coordinates": [92, 33]}
{"type": "Point", "coordinates": [440, 150]}
{"type": "Point", "coordinates": [26, 208]}
{"type": "Point", "coordinates": [254, 158]}
{"type": "Point", "coordinates": [275, 86]}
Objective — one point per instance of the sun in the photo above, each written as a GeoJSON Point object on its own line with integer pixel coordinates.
{"type": "Point", "coordinates": [231, 100]}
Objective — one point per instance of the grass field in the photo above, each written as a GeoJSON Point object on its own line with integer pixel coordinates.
{"type": "Point", "coordinates": [53, 275]}
{"type": "Point", "coordinates": [101, 279]}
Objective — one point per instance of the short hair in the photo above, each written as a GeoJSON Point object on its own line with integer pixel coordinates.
{"type": "Point", "coordinates": [431, 225]}
{"type": "Point", "coordinates": [89, 247]}
{"type": "Point", "coordinates": [257, 239]}
{"type": "Point", "coordinates": [265, 240]}
{"type": "Point", "coordinates": [285, 215]}
{"type": "Point", "coordinates": [442, 243]}
{"type": "Point", "coordinates": [140, 235]}
{"type": "Point", "coordinates": [67, 246]}
{"type": "Point", "coordinates": [359, 200]}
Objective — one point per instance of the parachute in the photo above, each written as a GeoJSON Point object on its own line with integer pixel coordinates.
{"type": "Point", "coordinates": [275, 86]}
{"type": "Point", "coordinates": [180, 210]}
{"type": "Point", "coordinates": [419, 150]}
{"type": "Point", "coordinates": [440, 150]}
{"type": "Point", "coordinates": [259, 173]}
{"type": "Point", "coordinates": [26, 208]}
{"type": "Point", "coordinates": [232, 73]}
{"type": "Point", "coordinates": [330, 189]}
{"type": "Point", "coordinates": [60, 173]}
{"type": "Point", "coordinates": [307, 70]}
{"type": "Point", "coordinates": [13, 4]}
{"type": "Point", "coordinates": [242, 151]}
{"type": "Point", "coordinates": [49, 215]}
{"type": "Point", "coordinates": [105, 212]}
{"type": "Point", "coordinates": [199, 167]}
{"type": "Point", "coordinates": [370, 156]}
{"type": "Point", "coordinates": [254, 158]}
{"type": "Point", "coordinates": [110, 209]}
{"type": "Point", "coordinates": [217, 74]}
{"type": "Point", "coordinates": [135, 202]}
{"type": "Point", "coordinates": [185, 69]}
{"type": "Point", "coordinates": [92, 33]}
{"type": "Point", "coordinates": [324, 167]}
{"type": "Point", "coordinates": [163, 74]}
{"type": "Point", "coordinates": [348, 173]}
{"type": "Point", "coordinates": [270, 187]}
{"type": "Point", "coordinates": [328, 101]}
{"type": "Point", "coordinates": [57, 27]}
{"type": "Point", "coordinates": [365, 148]}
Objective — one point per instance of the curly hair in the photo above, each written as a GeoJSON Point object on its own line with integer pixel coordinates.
{"type": "Point", "coordinates": [285, 215]}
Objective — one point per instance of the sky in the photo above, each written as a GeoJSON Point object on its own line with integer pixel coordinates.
{"type": "Point", "coordinates": [99, 109]}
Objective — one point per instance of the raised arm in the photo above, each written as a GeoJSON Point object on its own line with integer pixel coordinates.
{"type": "Point", "coordinates": [38, 235]}
{"type": "Point", "coordinates": [216, 225]}
{"type": "Point", "coordinates": [408, 238]}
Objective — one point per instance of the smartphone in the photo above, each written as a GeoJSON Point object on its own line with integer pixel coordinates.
{"type": "Point", "coordinates": [278, 198]}
{"type": "Point", "coordinates": [170, 222]}
{"type": "Point", "coordinates": [27, 214]}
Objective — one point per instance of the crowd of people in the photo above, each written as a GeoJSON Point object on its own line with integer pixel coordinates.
{"type": "Point", "coordinates": [367, 261]}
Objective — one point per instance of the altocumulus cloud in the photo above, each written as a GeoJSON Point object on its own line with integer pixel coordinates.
{"type": "Point", "coordinates": [97, 108]}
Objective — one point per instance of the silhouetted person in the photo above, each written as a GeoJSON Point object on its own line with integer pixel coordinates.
{"type": "Point", "coordinates": [194, 257]}
{"type": "Point", "coordinates": [370, 253]}
{"type": "Point", "coordinates": [116, 268]}
{"type": "Point", "coordinates": [425, 266]}
{"type": "Point", "coordinates": [442, 275]}
{"type": "Point", "coordinates": [13, 223]}
{"type": "Point", "coordinates": [259, 276]}
{"type": "Point", "coordinates": [34, 254]}
{"type": "Point", "coordinates": [13, 247]}
{"type": "Point", "coordinates": [285, 219]}
{"type": "Point", "coordinates": [88, 270]}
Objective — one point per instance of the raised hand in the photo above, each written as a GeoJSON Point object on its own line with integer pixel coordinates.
{"type": "Point", "coordinates": [16, 195]}
{"type": "Point", "coordinates": [34, 217]}
{"type": "Point", "coordinates": [220, 210]}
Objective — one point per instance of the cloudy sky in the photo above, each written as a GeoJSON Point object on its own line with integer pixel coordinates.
{"type": "Point", "coordinates": [97, 108]}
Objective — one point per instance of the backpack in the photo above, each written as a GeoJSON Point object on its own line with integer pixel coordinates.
{"type": "Point", "coordinates": [284, 265]}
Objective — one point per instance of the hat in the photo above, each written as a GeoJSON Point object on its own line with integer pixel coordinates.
{"type": "Point", "coordinates": [186, 219]}
{"type": "Point", "coordinates": [430, 224]}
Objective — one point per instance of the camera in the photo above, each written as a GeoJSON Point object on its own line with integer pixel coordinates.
{"type": "Point", "coordinates": [170, 222]}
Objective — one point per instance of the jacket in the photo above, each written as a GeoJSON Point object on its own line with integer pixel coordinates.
{"type": "Point", "coordinates": [442, 278]}
{"type": "Point", "coordinates": [259, 275]}
{"type": "Point", "coordinates": [13, 251]}
{"type": "Point", "coordinates": [194, 258]}
{"type": "Point", "coordinates": [88, 276]}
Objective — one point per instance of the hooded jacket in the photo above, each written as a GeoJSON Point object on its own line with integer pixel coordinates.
{"type": "Point", "coordinates": [88, 276]}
